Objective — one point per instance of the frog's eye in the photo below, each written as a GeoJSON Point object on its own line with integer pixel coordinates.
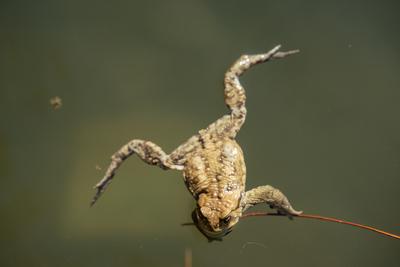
{"type": "Point", "coordinates": [227, 219]}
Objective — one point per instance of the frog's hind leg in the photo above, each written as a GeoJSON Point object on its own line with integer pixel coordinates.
{"type": "Point", "coordinates": [271, 196]}
{"type": "Point", "coordinates": [235, 96]}
{"type": "Point", "coordinates": [146, 150]}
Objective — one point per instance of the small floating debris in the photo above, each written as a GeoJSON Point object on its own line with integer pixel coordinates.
{"type": "Point", "coordinates": [56, 102]}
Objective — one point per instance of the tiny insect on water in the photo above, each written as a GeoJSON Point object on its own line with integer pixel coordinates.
{"type": "Point", "coordinates": [212, 162]}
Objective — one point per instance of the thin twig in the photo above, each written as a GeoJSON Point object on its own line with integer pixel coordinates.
{"type": "Point", "coordinates": [323, 218]}
{"type": "Point", "coordinates": [188, 257]}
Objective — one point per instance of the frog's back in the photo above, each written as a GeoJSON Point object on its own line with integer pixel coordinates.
{"type": "Point", "coordinates": [216, 171]}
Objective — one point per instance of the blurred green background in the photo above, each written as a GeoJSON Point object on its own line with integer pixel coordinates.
{"type": "Point", "coordinates": [323, 126]}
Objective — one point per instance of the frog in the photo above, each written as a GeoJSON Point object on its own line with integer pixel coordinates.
{"type": "Point", "coordinates": [212, 161]}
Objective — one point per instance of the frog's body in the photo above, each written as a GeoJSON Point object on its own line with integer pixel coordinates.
{"type": "Point", "coordinates": [218, 171]}
{"type": "Point", "coordinates": [216, 176]}
{"type": "Point", "coordinates": [212, 162]}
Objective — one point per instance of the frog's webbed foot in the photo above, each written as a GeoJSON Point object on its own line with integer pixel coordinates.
{"type": "Point", "coordinates": [146, 150]}
{"type": "Point", "coordinates": [272, 197]}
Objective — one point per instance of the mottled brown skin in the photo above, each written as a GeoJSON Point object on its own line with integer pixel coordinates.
{"type": "Point", "coordinates": [216, 176]}
{"type": "Point", "coordinates": [212, 162]}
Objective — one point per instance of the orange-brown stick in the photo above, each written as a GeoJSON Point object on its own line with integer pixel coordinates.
{"type": "Point", "coordinates": [323, 218]}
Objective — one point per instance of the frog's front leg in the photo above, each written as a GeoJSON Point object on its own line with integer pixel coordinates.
{"type": "Point", "coordinates": [271, 196]}
{"type": "Point", "coordinates": [146, 150]}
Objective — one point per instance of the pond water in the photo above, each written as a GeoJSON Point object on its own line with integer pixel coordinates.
{"type": "Point", "coordinates": [323, 126]}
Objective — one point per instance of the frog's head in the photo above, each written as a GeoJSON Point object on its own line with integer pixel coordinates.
{"type": "Point", "coordinates": [216, 220]}
{"type": "Point", "coordinates": [212, 227]}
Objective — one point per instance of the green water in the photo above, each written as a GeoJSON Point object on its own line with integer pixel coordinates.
{"type": "Point", "coordinates": [323, 126]}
